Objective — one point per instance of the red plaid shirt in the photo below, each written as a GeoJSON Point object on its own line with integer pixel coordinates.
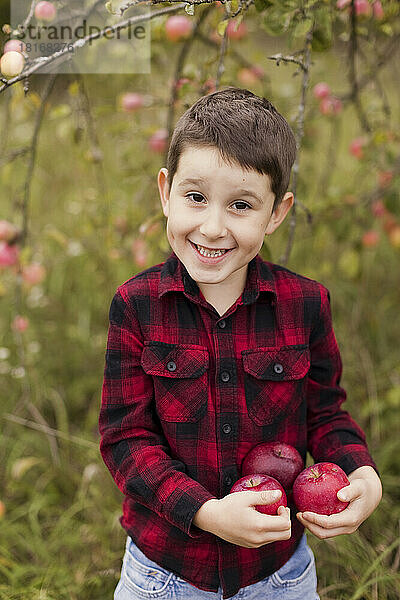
{"type": "Point", "coordinates": [187, 393]}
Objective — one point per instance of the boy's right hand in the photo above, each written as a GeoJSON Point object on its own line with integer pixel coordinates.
{"type": "Point", "coordinates": [235, 519]}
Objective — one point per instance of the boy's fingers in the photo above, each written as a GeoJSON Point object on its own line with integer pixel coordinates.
{"type": "Point", "coordinates": [265, 497]}
{"type": "Point", "coordinates": [348, 518]}
{"type": "Point", "coordinates": [275, 523]}
{"type": "Point", "coordinates": [284, 511]}
{"type": "Point", "coordinates": [351, 492]}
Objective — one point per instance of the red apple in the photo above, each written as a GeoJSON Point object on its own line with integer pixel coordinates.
{"type": "Point", "coordinates": [385, 178]}
{"type": "Point", "coordinates": [249, 76]}
{"type": "Point", "coordinates": [45, 11]}
{"type": "Point", "coordinates": [158, 141]}
{"type": "Point", "coordinates": [321, 90]}
{"type": "Point", "coordinates": [315, 489]}
{"type": "Point", "coordinates": [356, 147]}
{"type": "Point", "coordinates": [33, 273]}
{"type": "Point", "coordinates": [277, 459]}
{"type": "Point", "coordinates": [178, 27]}
{"type": "Point", "coordinates": [8, 254]}
{"type": "Point", "coordinates": [20, 323]}
{"type": "Point", "coordinates": [370, 238]}
{"type": "Point", "coordinates": [362, 7]}
{"type": "Point", "coordinates": [389, 222]}
{"type": "Point", "coordinates": [258, 483]}
{"type": "Point", "coordinates": [131, 101]}
{"type": "Point", "coordinates": [377, 10]}
{"type": "Point", "coordinates": [209, 85]}
{"type": "Point", "coordinates": [236, 33]}
{"type": "Point", "coordinates": [378, 208]}
{"type": "Point", "coordinates": [330, 105]}
{"type": "Point", "coordinates": [15, 45]}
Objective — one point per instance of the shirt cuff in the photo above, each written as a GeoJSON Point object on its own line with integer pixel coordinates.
{"type": "Point", "coordinates": [351, 457]}
{"type": "Point", "coordinates": [183, 509]}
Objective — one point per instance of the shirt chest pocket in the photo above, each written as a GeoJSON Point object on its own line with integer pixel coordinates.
{"type": "Point", "coordinates": [274, 381]}
{"type": "Point", "coordinates": [180, 376]}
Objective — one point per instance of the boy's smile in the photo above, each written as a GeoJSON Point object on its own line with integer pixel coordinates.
{"type": "Point", "coordinates": [217, 217]}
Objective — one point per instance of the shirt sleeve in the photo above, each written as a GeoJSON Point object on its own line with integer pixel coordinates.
{"type": "Point", "coordinates": [132, 443]}
{"type": "Point", "coordinates": [333, 436]}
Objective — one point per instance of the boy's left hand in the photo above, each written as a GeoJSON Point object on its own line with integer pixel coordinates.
{"type": "Point", "coordinates": [364, 494]}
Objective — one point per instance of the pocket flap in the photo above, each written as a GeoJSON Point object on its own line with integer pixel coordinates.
{"type": "Point", "coordinates": [174, 360]}
{"type": "Point", "coordinates": [277, 364]}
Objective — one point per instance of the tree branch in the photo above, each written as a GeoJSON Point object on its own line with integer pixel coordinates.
{"type": "Point", "coordinates": [63, 54]}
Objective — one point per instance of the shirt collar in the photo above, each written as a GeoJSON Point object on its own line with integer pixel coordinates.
{"type": "Point", "coordinates": [175, 278]}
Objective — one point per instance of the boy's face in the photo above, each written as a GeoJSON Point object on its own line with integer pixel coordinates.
{"type": "Point", "coordinates": [221, 207]}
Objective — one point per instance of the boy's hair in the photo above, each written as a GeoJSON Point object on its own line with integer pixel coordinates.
{"type": "Point", "coordinates": [245, 128]}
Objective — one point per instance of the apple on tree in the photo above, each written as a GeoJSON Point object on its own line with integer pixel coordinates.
{"type": "Point", "coordinates": [9, 254]}
{"type": "Point", "coordinates": [178, 27]}
{"type": "Point", "coordinates": [258, 482]}
{"type": "Point", "coordinates": [131, 101]}
{"type": "Point", "coordinates": [321, 90]}
{"type": "Point", "coordinates": [15, 45]}
{"type": "Point", "coordinates": [234, 31]}
{"type": "Point", "coordinates": [12, 64]}
{"type": "Point", "coordinates": [315, 489]}
{"type": "Point", "coordinates": [8, 231]}
{"type": "Point", "coordinates": [276, 459]}
{"type": "Point", "coordinates": [45, 11]}
{"type": "Point", "coordinates": [158, 141]}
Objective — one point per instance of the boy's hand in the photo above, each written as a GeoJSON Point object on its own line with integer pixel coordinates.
{"type": "Point", "coordinates": [364, 494]}
{"type": "Point", "coordinates": [235, 519]}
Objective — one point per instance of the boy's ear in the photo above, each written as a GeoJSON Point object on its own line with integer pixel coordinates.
{"type": "Point", "coordinates": [280, 213]}
{"type": "Point", "coordinates": [163, 189]}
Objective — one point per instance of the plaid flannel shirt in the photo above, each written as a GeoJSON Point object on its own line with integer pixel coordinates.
{"type": "Point", "coordinates": [187, 393]}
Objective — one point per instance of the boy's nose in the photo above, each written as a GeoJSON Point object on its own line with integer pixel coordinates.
{"type": "Point", "coordinates": [213, 225]}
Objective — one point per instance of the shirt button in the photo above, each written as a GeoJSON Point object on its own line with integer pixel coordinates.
{"type": "Point", "coordinates": [226, 428]}
{"type": "Point", "coordinates": [228, 480]}
{"type": "Point", "coordinates": [278, 368]}
{"type": "Point", "coordinates": [225, 376]}
{"type": "Point", "coordinates": [222, 324]}
{"type": "Point", "coordinates": [171, 366]}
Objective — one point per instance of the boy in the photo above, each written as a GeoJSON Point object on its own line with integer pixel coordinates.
{"type": "Point", "coordinates": [215, 351]}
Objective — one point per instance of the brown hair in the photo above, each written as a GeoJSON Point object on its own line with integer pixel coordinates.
{"type": "Point", "coordinates": [245, 128]}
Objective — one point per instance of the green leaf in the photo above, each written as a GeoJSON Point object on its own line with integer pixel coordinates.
{"type": "Point", "coordinates": [301, 28]}
{"type": "Point", "coordinates": [222, 25]}
{"type": "Point", "coordinates": [386, 29]}
{"type": "Point", "coordinates": [273, 22]}
{"type": "Point", "coordinates": [322, 35]}
{"type": "Point", "coordinates": [234, 5]}
{"type": "Point", "coordinates": [262, 5]}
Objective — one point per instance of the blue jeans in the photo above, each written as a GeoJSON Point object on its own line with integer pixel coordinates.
{"type": "Point", "coordinates": [142, 578]}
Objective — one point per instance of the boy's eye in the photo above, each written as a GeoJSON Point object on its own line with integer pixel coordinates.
{"type": "Point", "coordinates": [243, 206]}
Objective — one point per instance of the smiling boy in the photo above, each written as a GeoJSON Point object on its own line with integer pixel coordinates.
{"type": "Point", "coordinates": [212, 352]}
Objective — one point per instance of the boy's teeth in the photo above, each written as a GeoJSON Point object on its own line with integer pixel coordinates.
{"type": "Point", "coordinates": [209, 253]}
